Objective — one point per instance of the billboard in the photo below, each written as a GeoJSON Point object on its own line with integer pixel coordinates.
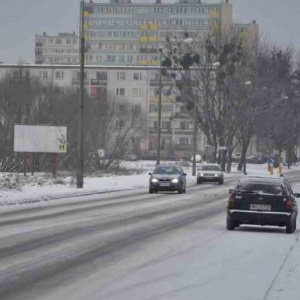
{"type": "Point", "coordinates": [40, 138]}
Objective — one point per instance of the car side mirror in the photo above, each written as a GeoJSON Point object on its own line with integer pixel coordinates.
{"type": "Point", "coordinates": [184, 174]}
{"type": "Point", "coordinates": [231, 191]}
{"type": "Point", "coordinates": [149, 173]}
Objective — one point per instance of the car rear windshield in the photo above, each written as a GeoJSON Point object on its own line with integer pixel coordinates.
{"type": "Point", "coordinates": [263, 188]}
{"type": "Point", "coordinates": [211, 168]}
{"type": "Point", "coordinates": [166, 170]}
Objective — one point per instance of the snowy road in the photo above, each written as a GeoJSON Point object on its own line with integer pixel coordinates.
{"type": "Point", "coordinates": [133, 245]}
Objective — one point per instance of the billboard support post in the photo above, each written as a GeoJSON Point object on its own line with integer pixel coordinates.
{"type": "Point", "coordinates": [32, 163]}
{"type": "Point", "coordinates": [24, 163]}
{"type": "Point", "coordinates": [54, 164]}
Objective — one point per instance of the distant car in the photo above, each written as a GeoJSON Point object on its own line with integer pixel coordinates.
{"type": "Point", "coordinates": [167, 178]}
{"type": "Point", "coordinates": [210, 172]}
{"type": "Point", "coordinates": [236, 157]}
{"type": "Point", "coordinates": [262, 200]}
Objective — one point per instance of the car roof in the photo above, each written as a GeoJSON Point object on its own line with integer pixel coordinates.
{"type": "Point", "coordinates": [168, 166]}
{"type": "Point", "coordinates": [264, 178]}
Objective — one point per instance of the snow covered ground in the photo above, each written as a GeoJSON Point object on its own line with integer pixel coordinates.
{"type": "Point", "coordinates": [201, 260]}
{"type": "Point", "coordinates": [18, 189]}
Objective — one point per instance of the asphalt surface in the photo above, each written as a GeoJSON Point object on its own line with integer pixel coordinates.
{"type": "Point", "coordinates": [43, 249]}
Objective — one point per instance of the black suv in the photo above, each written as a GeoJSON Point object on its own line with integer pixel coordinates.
{"type": "Point", "coordinates": [261, 200]}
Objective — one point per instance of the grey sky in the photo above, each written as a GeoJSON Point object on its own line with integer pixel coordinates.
{"type": "Point", "coordinates": [20, 20]}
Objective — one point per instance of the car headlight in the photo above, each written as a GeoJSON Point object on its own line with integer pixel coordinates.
{"type": "Point", "coordinates": [201, 174]}
{"type": "Point", "coordinates": [154, 180]}
{"type": "Point", "coordinates": [216, 175]}
{"type": "Point", "coordinates": [175, 180]}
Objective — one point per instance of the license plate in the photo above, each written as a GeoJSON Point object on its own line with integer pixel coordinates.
{"type": "Point", "coordinates": [164, 184]}
{"type": "Point", "coordinates": [260, 207]}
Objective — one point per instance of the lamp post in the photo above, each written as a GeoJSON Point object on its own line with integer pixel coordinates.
{"type": "Point", "coordinates": [80, 161]}
{"type": "Point", "coordinates": [247, 83]}
{"type": "Point", "coordinates": [194, 136]}
{"type": "Point", "coordinates": [159, 109]}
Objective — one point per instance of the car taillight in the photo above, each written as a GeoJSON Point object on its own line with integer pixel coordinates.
{"type": "Point", "coordinates": [231, 201]}
{"type": "Point", "coordinates": [289, 203]}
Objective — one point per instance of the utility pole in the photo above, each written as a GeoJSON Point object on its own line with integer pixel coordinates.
{"type": "Point", "coordinates": [159, 111]}
{"type": "Point", "coordinates": [194, 136]}
{"type": "Point", "coordinates": [80, 161]}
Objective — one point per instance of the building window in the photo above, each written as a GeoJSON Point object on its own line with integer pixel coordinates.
{"type": "Point", "coordinates": [183, 141]}
{"type": "Point", "coordinates": [136, 92]}
{"type": "Point", "coordinates": [120, 91]}
{"type": "Point", "coordinates": [121, 75]}
{"type": "Point", "coordinates": [43, 74]}
{"type": "Point", "coordinates": [59, 75]}
{"type": "Point", "coordinates": [120, 123]}
{"type": "Point", "coordinates": [121, 108]}
{"type": "Point", "coordinates": [184, 125]}
{"type": "Point", "coordinates": [153, 107]}
{"type": "Point", "coordinates": [101, 75]}
{"type": "Point", "coordinates": [110, 58]}
{"type": "Point", "coordinates": [137, 76]}
{"type": "Point", "coordinates": [166, 124]}
{"type": "Point", "coordinates": [136, 107]}
{"type": "Point", "coordinates": [68, 41]}
{"type": "Point", "coordinates": [58, 41]}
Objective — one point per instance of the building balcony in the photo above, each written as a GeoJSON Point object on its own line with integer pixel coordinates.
{"type": "Point", "coordinates": [165, 82]}
{"type": "Point", "coordinates": [145, 50]}
{"type": "Point", "coordinates": [77, 82]}
{"type": "Point", "coordinates": [162, 131]}
{"type": "Point", "coordinates": [99, 82]}
{"type": "Point", "coordinates": [184, 131]}
{"type": "Point", "coordinates": [181, 115]}
{"type": "Point", "coordinates": [183, 147]}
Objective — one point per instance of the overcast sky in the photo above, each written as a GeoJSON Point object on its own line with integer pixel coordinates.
{"type": "Point", "coordinates": [20, 20]}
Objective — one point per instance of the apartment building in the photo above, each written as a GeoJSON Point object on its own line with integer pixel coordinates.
{"type": "Point", "coordinates": [57, 49]}
{"type": "Point", "coordinates": [249, 32]}
{"type": "Point", "coordinates": [136, 85]}
{"type": "Point", "coordinates": [124, 33]}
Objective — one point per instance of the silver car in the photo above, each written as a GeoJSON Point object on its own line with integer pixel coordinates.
{"type": "Point", "coordinates": [210, 172]}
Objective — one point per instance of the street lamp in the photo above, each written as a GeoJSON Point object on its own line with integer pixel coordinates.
{"type": "Point", "coordinates": [159, 108]}
{"type": "Point", "coordinates": [80, 161]}
{"type": "Point", "coordinates": [247, 83]}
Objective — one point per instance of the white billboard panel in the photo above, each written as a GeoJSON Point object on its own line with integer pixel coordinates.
{"type": "Point", "coordinates": [40, 138]}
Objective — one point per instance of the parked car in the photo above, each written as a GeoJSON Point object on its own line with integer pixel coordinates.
{"type": "Point", "coordinates": [262, 200]}
{"type": "Point", "coordinates": [210, 172]}
{"type": "Point", "coordinates": [167, 178]}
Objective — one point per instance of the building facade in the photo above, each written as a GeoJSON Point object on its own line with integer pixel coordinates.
{"type": "Point", "coordinates": [57, 49]}
{"type": "Point", "coordinates": [136, 85]}
{"type": "Point", "coordinates": [125, 33]}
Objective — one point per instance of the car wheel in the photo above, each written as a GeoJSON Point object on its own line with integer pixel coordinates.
{"type": "Point", "coordinates": [221, 181]}
{"type": "Point", "coordinates": [155, 191]}
{"type": "Point", "coordinates": [180, 189]}
{"type": "Point", "coordinates": [230, 223]}
{"type": "Point", "coordinates": [150, 191]}
{"type": "Point", "coordinates": [290, 227]}
{"type": "Point", "coordinates": [199, 181]}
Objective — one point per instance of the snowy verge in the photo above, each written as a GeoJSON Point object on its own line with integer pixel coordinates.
{"type": "Point", "coordinates": [20, 189]}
